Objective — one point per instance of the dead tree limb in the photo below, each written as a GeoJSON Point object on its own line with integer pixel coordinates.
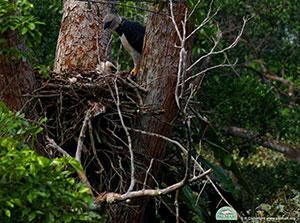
{"type": "Point", "coordinates": [288, 150]}
{"type": "Point", "coordinates": [116, 197]}
{"type": "Point", "coordinates": [82, 136]}
{"type": "Point", "coordinates": [81, 174]}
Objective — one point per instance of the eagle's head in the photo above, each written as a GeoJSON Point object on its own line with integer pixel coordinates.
{"type": "Point", "coordinates": [112, 21]}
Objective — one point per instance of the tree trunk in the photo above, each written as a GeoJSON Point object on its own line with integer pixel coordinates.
{"type": "Point", "coordinates": [82, 42]}
{"type": "Point", "coordinates": [160, 66]}
{"type": "Point", "coordinates": [16, 75]}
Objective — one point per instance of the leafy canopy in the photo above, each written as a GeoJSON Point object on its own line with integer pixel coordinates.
{"type": "Point", "coordinates": [34, 188]}
{"type": "Point", "coordinates": [17, 16]}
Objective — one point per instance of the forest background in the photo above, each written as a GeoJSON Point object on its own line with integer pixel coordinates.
{"type": "Point", "coordinates": [246, 126]}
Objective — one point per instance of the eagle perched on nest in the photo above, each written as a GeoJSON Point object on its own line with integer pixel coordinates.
{"type": "Point", "coordinates": [131, 35]}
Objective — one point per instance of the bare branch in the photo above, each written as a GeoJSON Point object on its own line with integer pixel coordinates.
{"type": "Point", "coordinates": [93, 146]}
{"type": "Point", "coordinates": [193, 89]}
{"type": "Point", "coordinates": [197, 164]}
{"type": "Point", "coordinates": [171, 211]}
{"type": "Point", "coordinates": [82, 135]}
{"type": "Point", "coordinates": [194, 8]}
{"type": "Point", "coordinates": [212, 52]}
{"type": "Point", "coordinates": [176, 204]}
{"type": "Point", "coordinates": [205, 21]}
{"type": "Point", "coordinates": [52, 144]}
{"type": "Point", "coordinates": [276, 145]}
{"type": "Point", "coordinates": [173, 21]}
{"type": "Point", "coordinates": [208, 69]}
{"type": "Point", "coordinates": [117, 102]}
{"type": "Point", "coordinates": [115, 197]}
{"type": "Point", "coordinates": [81, 173]}
{"type": "Point", "coordinates": [201, 191]}
{"type": "Point", "coordinates": [180, 76]}
{"type": "Point", "coordinates": [182, 56]}
{"type": "Point", "coordinates": [147, 173]}
{"type": "Point", "coordinates": [134, 84]}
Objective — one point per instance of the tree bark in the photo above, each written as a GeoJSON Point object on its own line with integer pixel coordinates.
{"type": "Point", "coordinates": [159, 74]}
{"type": "Point", "coordinates": [16, 75]}
{"type": "Point", "coordinates": [82, 42]}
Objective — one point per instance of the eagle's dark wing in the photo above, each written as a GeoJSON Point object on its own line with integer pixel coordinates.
{"type": "Point", "coordinates": [134, 33]}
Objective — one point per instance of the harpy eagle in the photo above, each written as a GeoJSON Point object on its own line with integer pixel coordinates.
{"type": "Point", "coordinates": [131, 35]}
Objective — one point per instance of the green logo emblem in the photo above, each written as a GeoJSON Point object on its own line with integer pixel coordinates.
{"type": "Point", "coordinates": [226, 213]}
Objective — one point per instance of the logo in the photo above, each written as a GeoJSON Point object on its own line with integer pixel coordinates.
{"type": "Point", "coordinates": [226, 213]}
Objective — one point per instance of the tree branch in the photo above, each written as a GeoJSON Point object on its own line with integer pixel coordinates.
{"type": "Point", "coordinates": [132, 168]}
{"type": "Point", "coordinates": [81, 173]}
{"type": "Point", "coordinates": [82, 136]}
{"type": "Point", "coordinates": [288, 150]}
{"type": "Point", "coordinates": [116, 197]}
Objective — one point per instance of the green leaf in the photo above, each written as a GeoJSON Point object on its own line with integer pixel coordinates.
{"type": "Point", "coordinates": [7, 213]}
{"type": "Point", "coordinates": [84, 190]}
{"type": "Point", "coordinates": [75, 164]}
{"type": "Point", "coordinates": [227, 160]}
{"type": "Point", "coordinates": [24, 30]}
{"type": "Point", "coordinates": [42, 161]}
{"type": "Point", "coordinates": [31, 216]}
{"type": "Point", "coordinates": [10, 204]}
{"type": "Point", "coordinates": [31, 196]}
{"type": "Point", "coordinates": [31, 26]}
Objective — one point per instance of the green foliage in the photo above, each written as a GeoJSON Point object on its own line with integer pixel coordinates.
{"type": "Point", "coordinates": [270, 45]}
{"type": "Point", "coordinates": [243, 97]}
{"type": "Point", "coordinates": [286, 203]}
{"type": "Point", "coordinates": [245, 101]}
{"type": "Point", "coordinates": [38, 24]}
{"type": "Point", "coordinates": [16, 126]}
{"type": "Point", "coordinates": [49, 13]}
{"type": "Point", "coordinates": [17, 16]}
{"type": "Point", "coordinates": [197, 206]}
{"type": "Point", "coordinates": [34, 188]}
{"type": "Point", "coordinates": [277, 178]}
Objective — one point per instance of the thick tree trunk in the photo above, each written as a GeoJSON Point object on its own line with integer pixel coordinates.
{"type": "Point", "coordinates": [16, 75]}
{"type": "Point", "coordinates": [82, 42]}
{"type": "Point", "coordinates": [160, 66]}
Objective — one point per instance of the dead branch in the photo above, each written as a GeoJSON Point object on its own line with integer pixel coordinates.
{"type": "Point", "coordinates": [52, 144]}
{"type": "Point", "coordinates": [185, 151]}
{"type": "Point", "coordinates": [116, 197]}
{"type": "Point", "coordinates": [267, 76]}
{"type": "Point", "coordinates": [81, 173]}
{"type": "Point", "coordinates": [176, 204]}
{"type": "Point", "coordinates": [117, 102]}
{"type": "Point", "coordinates": [206, 20]}
{"type": "Point", "coordinates": [147, 173]}
{"type": "Point", "coordinates": [82, 136]}
{"type": "Point", "coordinates": [213, 52]}
{"type": "Point", "coordinates": [171, 211]}
{"type": "Point", "coordinates": [93, 146]}
{"type": "Point", "coordinates": [288, 150]}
